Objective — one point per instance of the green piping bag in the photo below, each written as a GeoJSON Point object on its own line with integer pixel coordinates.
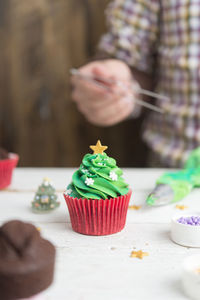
{"type": "Point", "coordinates": [172, 187]}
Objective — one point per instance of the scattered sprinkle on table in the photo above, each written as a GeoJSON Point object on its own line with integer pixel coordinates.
{"type": "Point", "coordinates": [134, 207]}
{"type": "Point", "coordinates": [38, 229]}
{"type": "Point", "coordinates": [181, 207]}
{"type": "Point", "coordinates": [198, 271]}
{"type": "Point", "coordinates": [193, 220]}
{"type": "Point", "coordinates": [113, 248]}
{"type": "Point", "coordinates": [139, 254]}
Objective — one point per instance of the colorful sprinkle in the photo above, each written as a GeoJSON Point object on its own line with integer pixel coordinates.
{"type": "Point", "coordinates": [89, 181]}
{"type": "Point", "coordinates": [113, 176]}
{"type": "Point", "coordinates": [193, 220]}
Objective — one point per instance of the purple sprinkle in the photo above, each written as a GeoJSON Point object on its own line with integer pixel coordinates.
{"type": "Point", "coordinates": [193, 220]}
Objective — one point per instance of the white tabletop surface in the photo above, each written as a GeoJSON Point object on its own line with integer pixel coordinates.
{"type": "Point", "coordinates": [100, 268]}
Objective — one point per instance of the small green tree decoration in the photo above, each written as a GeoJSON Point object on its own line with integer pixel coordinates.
{"type": "Point", "coordinates": [45, 198]}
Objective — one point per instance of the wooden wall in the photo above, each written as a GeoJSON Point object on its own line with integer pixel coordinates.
{"type": "Point", "coordinates": [40, 41]}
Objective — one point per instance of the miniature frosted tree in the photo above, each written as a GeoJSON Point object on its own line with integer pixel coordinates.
{"type": "Point", "coordinates": [45, 198]}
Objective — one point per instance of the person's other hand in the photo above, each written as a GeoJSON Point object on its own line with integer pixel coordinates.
{"type": "Point", "coordinates": [104, 107]}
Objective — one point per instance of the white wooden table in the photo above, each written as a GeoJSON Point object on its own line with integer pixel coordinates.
{"type": "Point", "coordinates": [100, 268]}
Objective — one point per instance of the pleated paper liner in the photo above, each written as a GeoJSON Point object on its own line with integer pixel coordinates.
{"type": "Point", "coordinates": [98, 217]}
{"type": "Point", "coordinates": [6, 169]}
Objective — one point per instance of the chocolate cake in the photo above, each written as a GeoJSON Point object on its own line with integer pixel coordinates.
{"type": "Point", "coordinates": [3, 154]}
{"type": "Point", "coordinates": [26, 261]}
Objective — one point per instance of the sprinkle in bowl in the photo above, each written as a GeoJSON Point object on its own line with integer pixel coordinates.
{"type": "Point", "coordinates": [185, 229]}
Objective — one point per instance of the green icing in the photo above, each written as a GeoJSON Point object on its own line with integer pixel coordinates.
{"type": "Point", "coordinates": [182, 182]}
{"type": "Point", "coordinates": [151, 200]}
{"type": "Point", "coordinates": [97, 178]}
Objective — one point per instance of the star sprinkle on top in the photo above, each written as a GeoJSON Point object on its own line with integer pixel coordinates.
{"type": "Point", "coordinates": [98, 148]}
{"type": "Point", "coordinates": [139, 254]}
{"type": "Point", "coordinates": [46, 181]}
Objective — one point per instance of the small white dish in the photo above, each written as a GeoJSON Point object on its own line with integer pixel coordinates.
{"type": "Point", "coordinates": [184, 234]}
{"type": "Point", "coordinates": [191, 277]}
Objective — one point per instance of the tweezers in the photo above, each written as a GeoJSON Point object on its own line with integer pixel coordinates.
{"type": "Point", "coordinates": [101, 82]}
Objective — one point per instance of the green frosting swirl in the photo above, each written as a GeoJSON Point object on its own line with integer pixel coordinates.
{"type": "Point", "coordinates": [97, 178]}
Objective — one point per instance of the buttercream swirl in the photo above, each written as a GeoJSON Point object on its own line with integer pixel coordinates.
{"type": "Point", "coordinates": [97, 178]}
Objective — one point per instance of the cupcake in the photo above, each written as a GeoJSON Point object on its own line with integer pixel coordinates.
{"type": "Point", "coordinates": [26, 261]}
{"type": "Point", "coordinates": [45, 199]}
{"type": "Point", "coordinates": [8, 162]}
{"type": "Point", "coordinates": [98, 197]}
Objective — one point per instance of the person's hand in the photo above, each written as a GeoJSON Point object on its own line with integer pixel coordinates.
{"type": "Point", "coordinates": [100, 106]}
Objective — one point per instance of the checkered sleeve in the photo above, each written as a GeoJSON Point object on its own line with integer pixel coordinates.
{"type": "Point", "coordinates": [133, 32]}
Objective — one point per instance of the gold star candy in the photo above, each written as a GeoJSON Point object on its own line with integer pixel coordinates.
{"type": "Point", "coordinates": [38, 228]}
{"type": "Point", "coordinates": [181, 207]}
{"type": "Point", "coordinates": [98, 148]}
{"type": "Point", "coordinates": [134, 207]}
{"type": "Point", "coordinates": [113, 248]}
{"type": "Point", "coordinates": [139, 254]}
{"type": "Point", "coordinates": [46, 179]}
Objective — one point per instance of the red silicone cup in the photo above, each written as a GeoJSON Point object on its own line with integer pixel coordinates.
{"type": "Point", "coordinates": [98, 217]}
{"type": "Point", "coordinates": [6, 169]}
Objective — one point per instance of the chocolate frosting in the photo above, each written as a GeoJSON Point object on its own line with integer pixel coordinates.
{"type": "Point", "coordinates": [26, 261]}
{"type": "Point", "coordinates": [3, 154]}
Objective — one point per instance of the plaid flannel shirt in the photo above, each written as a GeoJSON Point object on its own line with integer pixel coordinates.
{"type": "Point", "coordinates": [139, 29]}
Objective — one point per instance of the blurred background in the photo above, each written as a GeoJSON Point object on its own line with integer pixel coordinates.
{"type": "Point", "coordinates": [40, 41]}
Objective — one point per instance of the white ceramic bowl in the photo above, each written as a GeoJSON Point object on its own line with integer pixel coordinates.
{"type": "Point", "coordinates": [185, 235]}
{"type": "Point", "coordinates": [191, 277]}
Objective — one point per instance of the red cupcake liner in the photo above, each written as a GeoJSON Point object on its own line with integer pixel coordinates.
{"type": "Point", "coordinates": [98, 217]}
{"type": "Point", "coordinates": [6, 169]}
